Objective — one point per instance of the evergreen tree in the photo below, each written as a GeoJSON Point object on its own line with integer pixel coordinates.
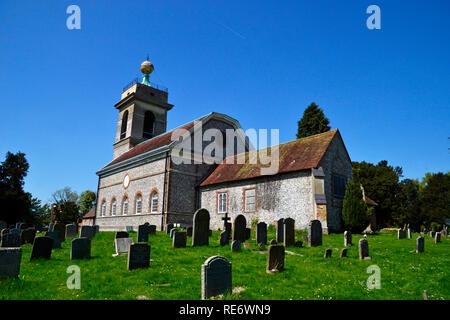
{"type": "Point", "coordinates": [86, 201]}
{"type": "Point", "coordinates": [313, 122]}
{"type": "Point", "coordinates": [435, 199]}
{"type": "Point", "coordinates": [355, 213]}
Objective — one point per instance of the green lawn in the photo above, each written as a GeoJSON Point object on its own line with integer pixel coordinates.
{"type": "Point", "coordinates": [176, 273]}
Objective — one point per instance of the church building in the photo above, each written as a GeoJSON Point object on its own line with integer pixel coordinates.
{"type": "Point", "coordinates": [143, 182]}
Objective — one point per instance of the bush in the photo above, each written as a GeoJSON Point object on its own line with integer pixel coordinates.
{"type": "Point", "coordinates": [435, 227]}
{"type": "Point", "coordinates": [254, 223]}
{"type": "Point", "coordinates": [355, 213]}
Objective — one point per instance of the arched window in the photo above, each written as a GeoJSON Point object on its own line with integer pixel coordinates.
{"type": "Point", "coordinates": [103, 213]}
{"type": "Point", "coordinates": [154, 202]}
{"type": "Point", "coordinates": [149, 121]}
{"type": "Point", "coordinates": [113, 207]}
{"type": "Point", "coordinates": [125, 206]}
{"type": "Point", "coordinates": [123, 128]}
{"type": "Point", "coordinates": [138, 204]}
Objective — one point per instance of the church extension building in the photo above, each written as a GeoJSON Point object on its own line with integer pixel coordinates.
{"type": "Point", "coordinates": [143, 183]}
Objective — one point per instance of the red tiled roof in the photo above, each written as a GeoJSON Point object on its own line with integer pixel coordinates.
{"type": "Point", "coordinates": [90, 214]}
{"type": "Point", "coordinates": [295, 155]}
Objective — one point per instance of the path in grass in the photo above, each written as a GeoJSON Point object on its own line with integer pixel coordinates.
{"type": "Point", "coordinates": [176, 273]}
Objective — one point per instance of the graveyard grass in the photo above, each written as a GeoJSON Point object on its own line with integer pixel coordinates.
{"type": "Point", "coordinates": [176, 273]}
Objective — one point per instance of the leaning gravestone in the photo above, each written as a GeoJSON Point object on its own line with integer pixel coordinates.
{"type": "Point", "coordinates": [289, 232]}
{"type": "Point", "coordinates": [61, 229]}
{"type": "Point", "coordinates": [420, 244]}
{"type": "Point", "coordinates": [437, 237]}
{"type": "Point", "coordinates": [80, 249]}
{"type": "Point", "coordinates": [42, 248]}
{"type": "Point", "coordinates": [216, 277]}
{"type": "Point", "coordinates": [315, 233]}
{"type": "Point", "coordinates": [10, 259]}
{"type": "Point", "coordinates": [236, 246]}
{"type": "Point", "coordinates": [139, 256]}
{"type": "Point", "coordinates": [179, 240]}
{"type": "Point", "coordinates": [122, 246]}
{"type": "Point", "coordinates": [275, 258]}
{"type": "Point", "coordinates": [56, 241]}
{"type": "Point", "coordinates": [28, 236]}
{"type": "Point", "coordinates": [122, 234]}
{"type": "Point", "coordinates": [200, 236]}
{"type": "Point", "coordinates": [224, 238]}
{"type": "Point", "coordinates": [280, 230]}
{"type": "Point", "coordinates": [143, 231]}
{"type": "Point", "coordinates": [347, 239]}
{"type": "Point", "coordinates": [71, 231]}
{"type": "Point", "coordinates": [11, 240]}
{"type": "Point", "coordinates": [261, 233]}
{"type": "Point", "coordinates": [363, 247]}
{"type": "Point", "coordinates": [239, 228]}
{"type": "Point", "coordinates": [169, 227]}
{"type": "Point", "coordinates": [87, 232]}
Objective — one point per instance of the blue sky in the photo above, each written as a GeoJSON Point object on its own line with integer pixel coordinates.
{"type": "Point", "coordinates": [261, 62]}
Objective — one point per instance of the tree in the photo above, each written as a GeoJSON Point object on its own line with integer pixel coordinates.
{"type": "Point", "coordinates": [64, 195]}
{"type": "Point", "coordinates": [355, 213]}
{"type": "Point", "coordinates": [435, 199]}
{"type": "Point", "coordinates": [86, 201]}
{"type": "Point", "coordinates": [69, 212]}
{"type": "Point", "coordinates": [312, 122]}
{"type": "Point", "coordinates": [408, 205]}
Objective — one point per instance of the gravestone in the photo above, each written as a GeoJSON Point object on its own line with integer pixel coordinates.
{"type": "Point", "coordinates": [273, 242]}
{"type": "Point", "coordinates": [261, 233]}
{"type": "Point", "coordinates": [328, 253]}
{"type": "Point", "coordinates": [87, 232]}
{"type": "Point", "coordinates": [152, 229]}
{"type": "Point", "coordinates": [248, 233]}
{"type": "Point", "coordinates": [315, 233]}
{"type": "Point", "coordinates": [420, 244]}
{"type": "Point", "coordinates": [122, 246]}
{"type": "Point", "coordinates": [71, 231]}
{"type": "Point", "coordinates": [400, 234]}
{"type": "Point", "coordinates": [432, 234]}
{"type": "Point", "coordinates": [216, 277]}
{"type": "Point", "coordinates": [224, 238]}
{"type": "Point", "coordinates": [363, 247]}
{"type": "Point", "coordinates": [10, 259]}
{"type": "Point", "coordinates": [143, 232]}
{"type": "Point", "coordinates": [28, 235]}
{"type": "Point", "coordinates": [280, 230]}
{"type": "Point", "coordinates": [80, 248]}
{"type": "Point", "coordinates": [289, 232]}
{"type": "Point", "coordinates": [15, 231]}
{"type": "Point", "coordinates": [4, 231]}
{"type": "Point", "coordinates": [169, 227]}
{"type": "Point", "coordinates": [235, 246]}
{"type": "Point", "coordinates": [11, 240]}
{"type": "Point", "coordinates": [348, 239]}
{"type": "Point", "coordinates": [179, 239]}
{"type": "Point", "coordinates": [61, 229]}
{"type": "Point", "coordinates": [172, 232]}
{"type": "Point", "coordinates": [21, 225]}
{"type": "Point", "coordinates": [409, 233]}
{"type": "Point", "coordinates": [239, 228]}
{"type": "Point", "coordinates": [437, 237]}
{"type": "Point", "coordinates": [56, 241]}
{"type": "Point", "coordinates": [275, 258]}
{"type": "Point", "coordinates": [139, 256]}
{"type": "Point", "coordinates": [42, 248]}
{"type": "Point", "coordinates": [129, 228]}
{"type": "Point", "coordinates": [189, 231]}
{"type": "Point", "coordinates": [50, 227]}
{"type": "Point", "coordinates": [200, 236]}
{"type": "Point", "coordinates": [344, 253]}
{"type": "Point", "coordinates": [121, 234]}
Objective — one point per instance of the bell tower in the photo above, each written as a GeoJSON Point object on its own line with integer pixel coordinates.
{"type": "Point", "coordinates": [142, 112]}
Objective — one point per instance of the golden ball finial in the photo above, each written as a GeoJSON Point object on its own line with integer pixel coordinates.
{"type": "Point", "coordinates": [147, 67]}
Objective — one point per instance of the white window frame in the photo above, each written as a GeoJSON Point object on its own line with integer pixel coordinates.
{"type": "Point", "coordinates": [113, 207]}
{"type": "Point", "coordinates": [246, 197]}
{"type": "Point", "coordinates": [222, 202]}
{"type": "Point", "coordinates": [125, 205]}
{"type": "Point", "coordinates": [138, 204]}
{"type": "Point", "coordinates": [154, 202]}
{"type": "Point", "coordinates": [103, 210]}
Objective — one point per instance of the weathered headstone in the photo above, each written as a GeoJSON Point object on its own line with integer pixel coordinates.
{"type": "Point", "coordinates": [10, 259]}
{"type": "Point", "coordinates": [172, 232]}
{"type": "Point", "coordinates": [275, 258]}
{"type": "Point", "coordinates": [56, 241]}
{"type": "Point", "coordinates": [420, 244]}
{"type": "Point", "coordinates": [42, 248]}
{"type": "Point", "coordinates": [139, 256]}
{"type": "Point", "coordinates": [27, 236]}
{"type": "Point", "coordinates": [344, 253]}
{"type": "Point", "coordinates": [87, 232]}
{"type": "Point", "coordinates": [437, 237]}
{"type": "Point", "coordinates": [122, 246]}
{"type": "Point", "coordinates": [71, 231]}
{"type": "Point", "coordinates": [121, 234]}
{"type": "Point", "coordinates": [179, 240]}
{"type": "Point", "coordinates": [261, 233]}
{"type": "Point", "coordinates": [80, 248]}
{"type": "Point", "coordinates": [315, 233]}
{"type": "Point", "coordinates": [216, 277]}
{"type": "Point", "coordinates": [363, 247]}
{"type": "Point", "coordinates": [11, 240]}
{"type": "Point", "coordinates": [169, 227]}
{"type": "Point", "coordinates": [61, 229]}
{"type": "Point", "coordinates": [224, 238]}
{"type": "Point", "coordinates": [348, 239]}
{"type": "Point", "coordinates": [236, 246]}
{"type": "Point", "coordinates": [328, 253]}
{"type": "Point", "coordinates": [200, 231]}
{"type": "Point", "coordinates": [143, 232]}
{"type": "Point", "coordinates": [189, 232]}
{"type": "Point", "coordinates": [239, 228]}
{"type": "Point", "coordinates": [289, 232]}
{"type": "Point", "coordinates": [280, 230]}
